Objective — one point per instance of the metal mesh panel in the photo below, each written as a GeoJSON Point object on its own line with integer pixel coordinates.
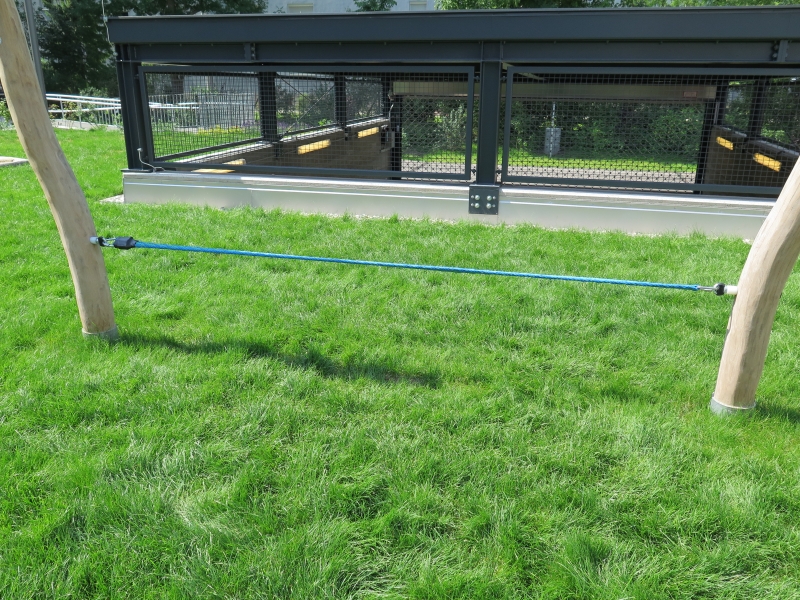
{"type": "Point", "coordinates": [651, 132]}
{"type": "Point", "coordinates": [414, 125]}
{"type": "Point", "coordinates": [304, 101]}
{"type": "Point", "coordinates": [364, 97]}
{"type": "Point", "coordinates": [195, 111]}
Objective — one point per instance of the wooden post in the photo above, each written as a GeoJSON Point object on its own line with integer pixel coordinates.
{"type": "Point", "coordinates": [769, 264]}
{"type": "Point", "coordinates": [67, 202]}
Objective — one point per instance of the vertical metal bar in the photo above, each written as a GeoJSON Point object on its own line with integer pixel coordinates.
{"type": "Point", "coordinates": [147, 129]}
{"type": "Point", "coordinates": [712, 117]}
{"type": "Point", "coordinates": [387, 101]}
{"type": "Point", "coordinates": [507, 127]}
{"type": "Point", "coordinates": [30, 18]}
{"type": "Point", "coordinates": [722, 105]}
{"type": "Point", "coordinates": [489, 122]}
{"type": "Point", "coordinates": [340, 95]}
{"type": "Point", "coordinates": [130, 107]}
{"type": "Point", "coordinates": [470, 110]}
{"type": "Point", "coordinates": [396, 125]}
{"type": "Point", "coordinates": [757, 108]}
{"type": "Point", "coordinates": [386, 92]}
{"type": "Point", "coordinates": [267, 106]}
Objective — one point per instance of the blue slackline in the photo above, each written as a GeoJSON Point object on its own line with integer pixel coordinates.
{"type": "Point", "coordinates": [127, 243]}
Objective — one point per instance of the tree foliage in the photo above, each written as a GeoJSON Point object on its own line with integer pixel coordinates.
{"type": "Point", "coordinates": [74, 47]}
{"type": "Point", "coordinates": [677, 3]}
{"type": "Point", "coordinates": [184, 7]}
{"type": "Point", "coordinates": [73, 40]}
{"type": "Point", "coordinates": [474, 4]}
{"type": "Point", "coordinates": [374, 5]}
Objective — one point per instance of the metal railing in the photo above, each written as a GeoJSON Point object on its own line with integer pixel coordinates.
{"type": "Point", "coordinates": [69, 111]}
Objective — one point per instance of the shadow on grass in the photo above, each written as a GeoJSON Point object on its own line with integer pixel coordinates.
{"type": "Point", "coordinates": [790, 415]}
{"type": "Point", "coordinates": [310, 358]}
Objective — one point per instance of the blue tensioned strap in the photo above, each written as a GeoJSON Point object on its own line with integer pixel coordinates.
{"type": "Point", "coordinates": [128, 243]}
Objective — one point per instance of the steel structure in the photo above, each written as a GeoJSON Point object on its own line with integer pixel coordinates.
{"type": "Point", "coordinates": [699, 100]}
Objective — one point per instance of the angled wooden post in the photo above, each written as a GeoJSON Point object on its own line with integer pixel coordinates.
{"type": "Point", "coordinates": [67, 202]}
{"type": "Point", "coordinates": [768, 266]}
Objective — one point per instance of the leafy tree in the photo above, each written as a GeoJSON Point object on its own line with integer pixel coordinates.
{"type": "Point", "coordinates": [676, 3]}
{"type": "Point", "coordinates": [74, 43]}
{"type": "Point", "coordinates": [184, 7]}
{"type": "Point", "coordinates": [74, 47]}
{"type": "Point", "coordinates": [472, 4]}
{"type": "Point", "coordinates": [374, 5]}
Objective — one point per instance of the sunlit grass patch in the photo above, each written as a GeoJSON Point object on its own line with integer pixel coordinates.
{"type": "Point", "coordinates": [278, 429]}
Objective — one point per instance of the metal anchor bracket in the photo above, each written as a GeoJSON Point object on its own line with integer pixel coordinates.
{"type": "Point", "coordinates": [483, 199]}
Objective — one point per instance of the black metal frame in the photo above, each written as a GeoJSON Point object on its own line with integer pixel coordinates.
{"type": "Point", "coordinates": [341, 120]}
{"type": "Point", "coordinates": [757, 117]}
{"type": "Point", "coordinates": [492, 45]}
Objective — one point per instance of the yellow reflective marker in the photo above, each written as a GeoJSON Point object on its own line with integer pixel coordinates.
{"type": "Point", "coordinates": [768, 162]}
{"type": "Point", "coordinates": [725, 143]}
{"type": "Point", "coordinates": [239, 161]}
{"type": "Point", "coordinates": [313, 147]}
{"type": "Point", "coordinates": [367, 132]}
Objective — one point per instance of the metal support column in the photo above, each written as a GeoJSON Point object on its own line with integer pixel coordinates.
{"type": "Point", "coordinates": [340, 95]}
{"type": "Point", "coordinates": [388, 138]}
{"type": "Point", "coordinates": [30, 18]}
{"type": "Point", "coordinates": [715, 109]}
{"type": "Point", "coordinates": [757, 108]}
{"type": "Point", "coordinates": [267, 107]}
{"type": "Point", "coordinates": [131, 107]}
{"type": "Point", "coordinates": [396, 128]}
{"type": "Point", "coordinates": [484, 193]}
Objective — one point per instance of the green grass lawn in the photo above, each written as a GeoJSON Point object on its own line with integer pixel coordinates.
{"type": "Point", "coordinates": [522, 158]}
{"type": "Point", "coordinates": [270, 429]}
{"type": "Point", "coordinates": [169, 141]}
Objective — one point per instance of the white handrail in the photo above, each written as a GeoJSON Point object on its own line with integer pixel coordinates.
{"type": "Point", "coordinates": [76, 111]}
{"type": "Point", "coordinates": [83, 99]}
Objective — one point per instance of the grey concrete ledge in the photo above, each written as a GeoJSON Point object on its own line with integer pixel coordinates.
{"type": "Point", "coordinates": [10, 161]}
{"type": "Point", "coordinates": [557, 208]}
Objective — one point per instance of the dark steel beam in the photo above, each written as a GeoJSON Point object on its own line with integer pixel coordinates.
{"type": "Point", "coordinates": [690, 53]}
{"type": "Point", "coordinates": [721, 23]}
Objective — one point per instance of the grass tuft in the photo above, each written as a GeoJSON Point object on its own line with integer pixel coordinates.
{"type": "Point", "coordinates": [275, 429]}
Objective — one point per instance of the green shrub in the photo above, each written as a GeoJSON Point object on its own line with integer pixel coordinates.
{"type": "Point", "coordinates": [677, 132]}
{"type": "Point", "coordinates": [453, 129]}
{"type": "Point", "coordinates": [5, 116]}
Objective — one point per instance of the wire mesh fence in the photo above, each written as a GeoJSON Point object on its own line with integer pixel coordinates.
{"type": "Point", "coordinates": [645, 131]}
{"type": "Point", "coordinates": [651, 132]}
{"type": "Point", "coordinates": [193, 112]}
{"type": "Point", "coordinates": [412, 125]}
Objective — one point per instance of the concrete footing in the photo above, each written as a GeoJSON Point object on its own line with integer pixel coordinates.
{"type": "Point", "coordinates": [723, 409]}
{"type": "Point", "coordinates": [112, 335]}
{"type": "Point", "coordinates": [558, 208]}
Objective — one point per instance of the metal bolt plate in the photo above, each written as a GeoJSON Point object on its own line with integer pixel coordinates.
{"type": "Point", "coordinates": [483, 199]}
